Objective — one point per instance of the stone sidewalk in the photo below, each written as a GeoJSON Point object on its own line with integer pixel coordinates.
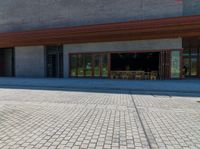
{"type": "Point", "coordinates": [117, 119]}
{"type": "Point", "coordinates": [185, 86]}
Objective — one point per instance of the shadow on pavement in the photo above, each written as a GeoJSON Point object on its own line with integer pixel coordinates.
{"type": "Point", "coordinates": [106, 90]}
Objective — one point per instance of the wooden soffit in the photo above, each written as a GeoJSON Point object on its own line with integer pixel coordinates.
{"type": "Point", "coordinates": [188, 26]}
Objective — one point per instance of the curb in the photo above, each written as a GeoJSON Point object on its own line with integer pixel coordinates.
{"type": "Point", "coordinates": [94, 88]}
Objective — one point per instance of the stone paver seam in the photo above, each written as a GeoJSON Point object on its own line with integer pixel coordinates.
{"type": "Point", "coordinates": [87, 113]}
{"type": "Point", "coordinates": [23, 137]}
{"type": "Point", "coordinates": [107, 126]}
{"type": "Point", "coordinates": [154, 124]}
{"type": "Point", "coordinates": [174, 130]}
{"type": "Point", "coordinates": [96, 127]}
{"type": "Point", "coordinates": [180, 129]}
{"type": "Point", "coordinates": [140, 119]}
{"type": "Point", "coordinates": [151, 128]}
{"type": "Point", "coordinates": [96, 114]}
{"type": "Point", "coordinates": [44, 136]}
{"type": "Point", "coordinates": [102, 126]}
{"type": "Point", "coordinates": [61, 127]}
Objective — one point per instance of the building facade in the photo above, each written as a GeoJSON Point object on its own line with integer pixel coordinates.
{"type": "Point", "coordinates": [117, 39]}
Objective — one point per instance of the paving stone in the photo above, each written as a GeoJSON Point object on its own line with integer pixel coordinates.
{"type": "Point", "coordinates": [111, 119]}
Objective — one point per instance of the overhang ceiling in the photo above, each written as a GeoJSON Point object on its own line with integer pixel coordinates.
{"type": "Point", "coordinates": [187, 26]}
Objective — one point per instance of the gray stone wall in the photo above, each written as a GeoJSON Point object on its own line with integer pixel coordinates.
{"type": "Point", "coordinates": [30, 61]}
{"type": "Point", "coordinates": [157, 44]}
{"type": "Point", "coordinates": [17, 15]}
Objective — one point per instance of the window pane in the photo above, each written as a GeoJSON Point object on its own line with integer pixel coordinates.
{"type": "Point", "coordinates": [73, 65]}
{"type": "Point", "coordinates": [97, 61]}
{"type": "Point", "coordinates": [186, 52]}
{"type": "Point", "coordinates": [80, 65]}
{"type": "Point", "coordinates": [88, 65]}
{"type": "Point", "coordinates": [186, 67]}
{"type": "Point", "coordinates": [194, 52]}
{"type": "Point", "coordinates": [175, 64]}
{"type": "Point", "coordinates": [105, 65]}
{"type": "Point", "coordinates": [193, 66]}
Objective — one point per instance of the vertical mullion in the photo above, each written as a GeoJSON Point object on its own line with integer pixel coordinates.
{"type": "Point", "coordinates": [100, 64]}
{"type": "Point", "coordinates": [169, 64]}
{"type": "Point", "coordinates": [198, 62]}
{"type": "Point", "coordinates": [109, 63]}
{"type": "Point", "coordinates": [78, 61]}
{"type": "Point", "coordinates": [163, 65]}
{"type": "Point", "coordinates": [181, 64]}
{"type": "Point", "coordinates": [83, 62]}
{"type": "Point", "coordinates": [160, 65]}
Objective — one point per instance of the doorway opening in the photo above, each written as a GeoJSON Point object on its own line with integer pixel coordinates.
{"type": "Point", "coordinates": [135, 61]}
{"type": "Point", "coordinates": [7, 62]}
{"type": "Point", "coordinates": [54, 61]}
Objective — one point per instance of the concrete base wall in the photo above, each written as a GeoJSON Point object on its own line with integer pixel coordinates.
{"type": "Point", "coordinates": [158, 44]}
{"type": "Point", "coordinates": [30, 61]}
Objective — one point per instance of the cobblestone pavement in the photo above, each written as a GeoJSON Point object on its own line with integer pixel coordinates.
{"type": "Point", "coordinates": [43, 119]}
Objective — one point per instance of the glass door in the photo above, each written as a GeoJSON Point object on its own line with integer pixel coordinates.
{"type": "Point", "coordinates": [54, 61]}
{"type": "Point", "coordinates": [51, 65]}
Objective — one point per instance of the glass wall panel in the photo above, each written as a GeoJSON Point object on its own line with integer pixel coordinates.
{"type": "Point", "coordinates": [186, 67]}
{"type": "Point", "coordinates": [191, 63]}
{"type": "Point", "coordinates": [186, 52]}
{"type": "Point", "coordinates": [88, 65]}
{"type": "Point", "coordinates": [193, 66]}
{"type": "Point", "coordinates": [73, 65]}
{"type": "Point", "coordinates": [97, 62]}
{"type": "Point", "coordinates": [80, 65]}
{"type": "Point", "coordinates": [104, 65]}
{"type": "Point", "coordinates": [175, 64]}
{"type": "Point", "coordinates": [194, 52]}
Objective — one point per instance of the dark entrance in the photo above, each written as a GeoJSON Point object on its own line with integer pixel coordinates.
{"type": "Point", "coordinates": [135, 61]}
{"type": "Point", "coordinates": [135, 65]}
{"type": "Point", "coordinates": [54, 57]}
{"type": "Point", "coordinates": [7, 62]}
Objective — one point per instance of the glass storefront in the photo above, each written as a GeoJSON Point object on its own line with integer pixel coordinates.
{"type": "Point", "coordinates": [144, 66]}
{"type": "Point", "coordinates": [89, 65]}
